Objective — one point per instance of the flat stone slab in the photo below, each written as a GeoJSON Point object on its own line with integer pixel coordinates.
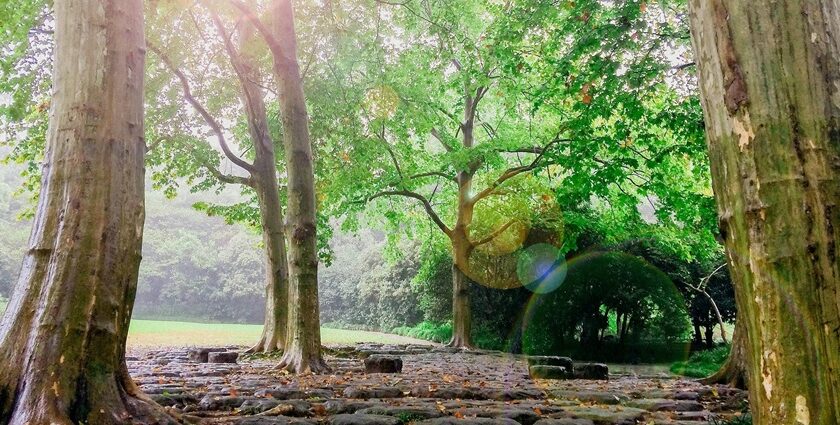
{"type": "Point", "coordinates": [598, 371]}
{"type": "Point", "coordinates": [661, 404]}
{"type": "Point", "coordinates": [383, 364]}
{"type": "Point", "coordinates": [367, 393]}
{"type": "Point", "coordinates": [406, 413]}
{"type": "Point", "coordinates": [358, 419]}
{"type": "Point", "coordinates": [565, 421]}
{"type": "Point", "coordinates": [450, 420]}
{"type": "Point", "coordinates": [607, 415]}
{"type": "Point", "coordinates": [600, 397]}
{"type": "Point", "coordinates": [222, 357]}
{"type": "Point", "coordinates": [550, 372]}
{"type": "Point", "coordinates": [200, 355]}
{"type": "Point", "coordinates": [551, 361]}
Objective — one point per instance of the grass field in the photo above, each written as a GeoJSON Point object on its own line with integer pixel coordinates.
{"type": "Point", "coordinates": [153, 333]}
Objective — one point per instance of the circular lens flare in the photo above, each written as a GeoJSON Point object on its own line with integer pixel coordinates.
{"type": "Point", "coordinates": [541, 268]}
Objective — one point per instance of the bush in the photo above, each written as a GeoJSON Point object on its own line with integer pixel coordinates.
{"type": "Point", "coordinates": [702, 363]}
{"type": "Point", "coordinates": [745, 419]}
{"type": "Point", "coordinates": [437, 332]}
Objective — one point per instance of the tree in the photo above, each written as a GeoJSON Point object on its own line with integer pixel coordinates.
{"type": "Point", "coordinates": [66, 326]}
{"type": "Point", "coordinates": [302, 351]}
{"type": "Point", "coordinates": [262, 172]}
{"type": "Point", "coordinates": [465, 110]}
{"type": "Point", "coordinates": [768, 78]}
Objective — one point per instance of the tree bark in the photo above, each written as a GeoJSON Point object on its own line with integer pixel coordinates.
{"type": "Point", "coordinates": [63, 336]}
{"type": "Point", "coordinates": [734, 371]}
{"type": "Point", "coordinates": [264, 177]}
{"type": "Point", "coordinates": [461, 311]}
{"type": "Point", "coordinates": [770, 83]}
{"type": "Point", "coordinates": [303, 338]}
{"type": "Point", "coordinates": [462, 247]}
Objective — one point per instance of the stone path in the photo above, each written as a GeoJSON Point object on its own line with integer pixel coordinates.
{"type": "Point", "coordinates": [438, 386]}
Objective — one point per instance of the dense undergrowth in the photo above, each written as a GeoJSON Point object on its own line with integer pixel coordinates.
{"type": "Point", "coordinates": [702, 363]}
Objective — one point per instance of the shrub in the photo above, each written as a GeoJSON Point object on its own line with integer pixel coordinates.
{"type": "Point", "coordinates": [437, 332]}
{"type": "Point", "coordinates": [702, 363]}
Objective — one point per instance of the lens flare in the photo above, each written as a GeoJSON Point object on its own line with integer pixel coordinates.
{"type": "Point", "coordinates": [541, 268]}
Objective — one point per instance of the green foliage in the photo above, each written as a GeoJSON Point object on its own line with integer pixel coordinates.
{"type": "Point", "coordinates": [430, 331]}
{"type": "Point", "coordinates": [363, 290]}
{"type": "Point", "coordinates": [744, 419]}
{"type": "Point", "coordinates": [702, 363]}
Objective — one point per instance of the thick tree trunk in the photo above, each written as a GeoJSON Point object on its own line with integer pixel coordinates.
{"type": "Point", "coordinates": [461, 312]}
{"type": "Point", "coordinates": [770, 81]}
{"type": "Point", "coordinates": [709, 334]}
{"type": "Point", "coordinates": [303, 339]}
{"type": "Point", "coordinates": [264, 176]}
{"type": "Point", "coordinates": [734, 371]}
{"type": "Point", "coordinates": [462, 247]}
{"type": "Point", "coordinates": [698, 337]}
{"type": "Point", "coordinates": [62, 338]}
{"type": "Point", "coordinates": [276, 269]}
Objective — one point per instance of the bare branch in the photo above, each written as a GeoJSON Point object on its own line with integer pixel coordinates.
{"type": "Point", "coordinates": [441, 139]}
{"type": "Point", "coordinates": [426, 204]}
{"type": "Point", "coordinates": [495, 234]}
{"type": "Point", "coordinates": [434, 173]}
{"type": "Point", "coordinates": [264, 31]}
{"type": "Point", "coordinates": [393, 155]}
{"type": "Point", "coordinates": [226, 178]}
{"type": "Point", "coordinates": [214, 125]}
{"type": "Point", "coordinates": [515, 171]}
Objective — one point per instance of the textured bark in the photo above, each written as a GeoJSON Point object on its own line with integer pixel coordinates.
{"type": "Point", "coordinates": [62, 338]}
{"type": "Point", "coordinates": [303, 338]}
{"type": "Point", "coordinates": [461, 312]}
{"type": "Point", "coordinates": [264, 177]}
{"type": "Point", "coordinates": [770, 82]}
{"type": "Point", "coordinates": [462, 246]}
{"type": "Point", "coordinates": [734, 371]}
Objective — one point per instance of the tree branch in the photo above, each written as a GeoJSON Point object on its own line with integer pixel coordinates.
{"type": "Point", "coordinates": [264, 31]}
{"type": "Point", "coordinates": [434, 132]}
{"type": "Point", "coordinates": [226, 178]}
{"type": "Point", "coordinates": [426, 204]}
{"type": "Point", "coordinates": [515, 171]}
{"type": "Point", "coordinates": [495, 234]}
{"type": "Point", "coordinates": [214, 125]}
{"type": "Point", "coordinates": [434, 173]}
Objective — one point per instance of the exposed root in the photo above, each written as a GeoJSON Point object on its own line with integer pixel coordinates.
{"type": "Point", "coordinates": [729, 374]}
{"type": "Point", "coordinates": [263, 346]}
{"type": "Point", "coordinates": [300, 364]}
{"type": "Point", "coordinates": [460, 342]}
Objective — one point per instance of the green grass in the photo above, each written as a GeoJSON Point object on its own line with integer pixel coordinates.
{"type": "Point", "coordinates": [702, 363]}
{"type": "Point", "coordinates": [155, 333]}
{"type": "Point", "coordinates": [428, 331]}
{"type": "Point", "coordinates": [3, 303]}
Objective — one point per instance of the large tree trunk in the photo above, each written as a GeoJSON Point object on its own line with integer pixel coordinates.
{"type": "Point", "coordinates": [264, 177]}
{"type": "Point", "coordinates": [303, 339]}
{"type": "Point", "coordinates": [770, 81]}
{"type": "Point", "coordinates": [461, 312]}
{"type": "Point", "coordinates": [276, 270]}
{"type": "Point", "coordinates": [461, 245]}
{"type": "Point", "coordinates": [734, 371]}
{"type": "Point", "coordinates": [62, 338]}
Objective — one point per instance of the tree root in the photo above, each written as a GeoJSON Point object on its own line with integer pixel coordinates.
{"type": "Point", "coordinates": [459, 342]}
{"type": "Point", "coordinates": [300, 364]}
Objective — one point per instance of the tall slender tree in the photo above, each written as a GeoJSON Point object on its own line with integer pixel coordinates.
{"type": "Point", "coordinates": [771, 96]}
{"type": "Point", "coordinates": [62, 338]}
{"type": "Point", "coordinates": [261, 172]}
{"type": "Point", "coordinates": [303, 339]}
